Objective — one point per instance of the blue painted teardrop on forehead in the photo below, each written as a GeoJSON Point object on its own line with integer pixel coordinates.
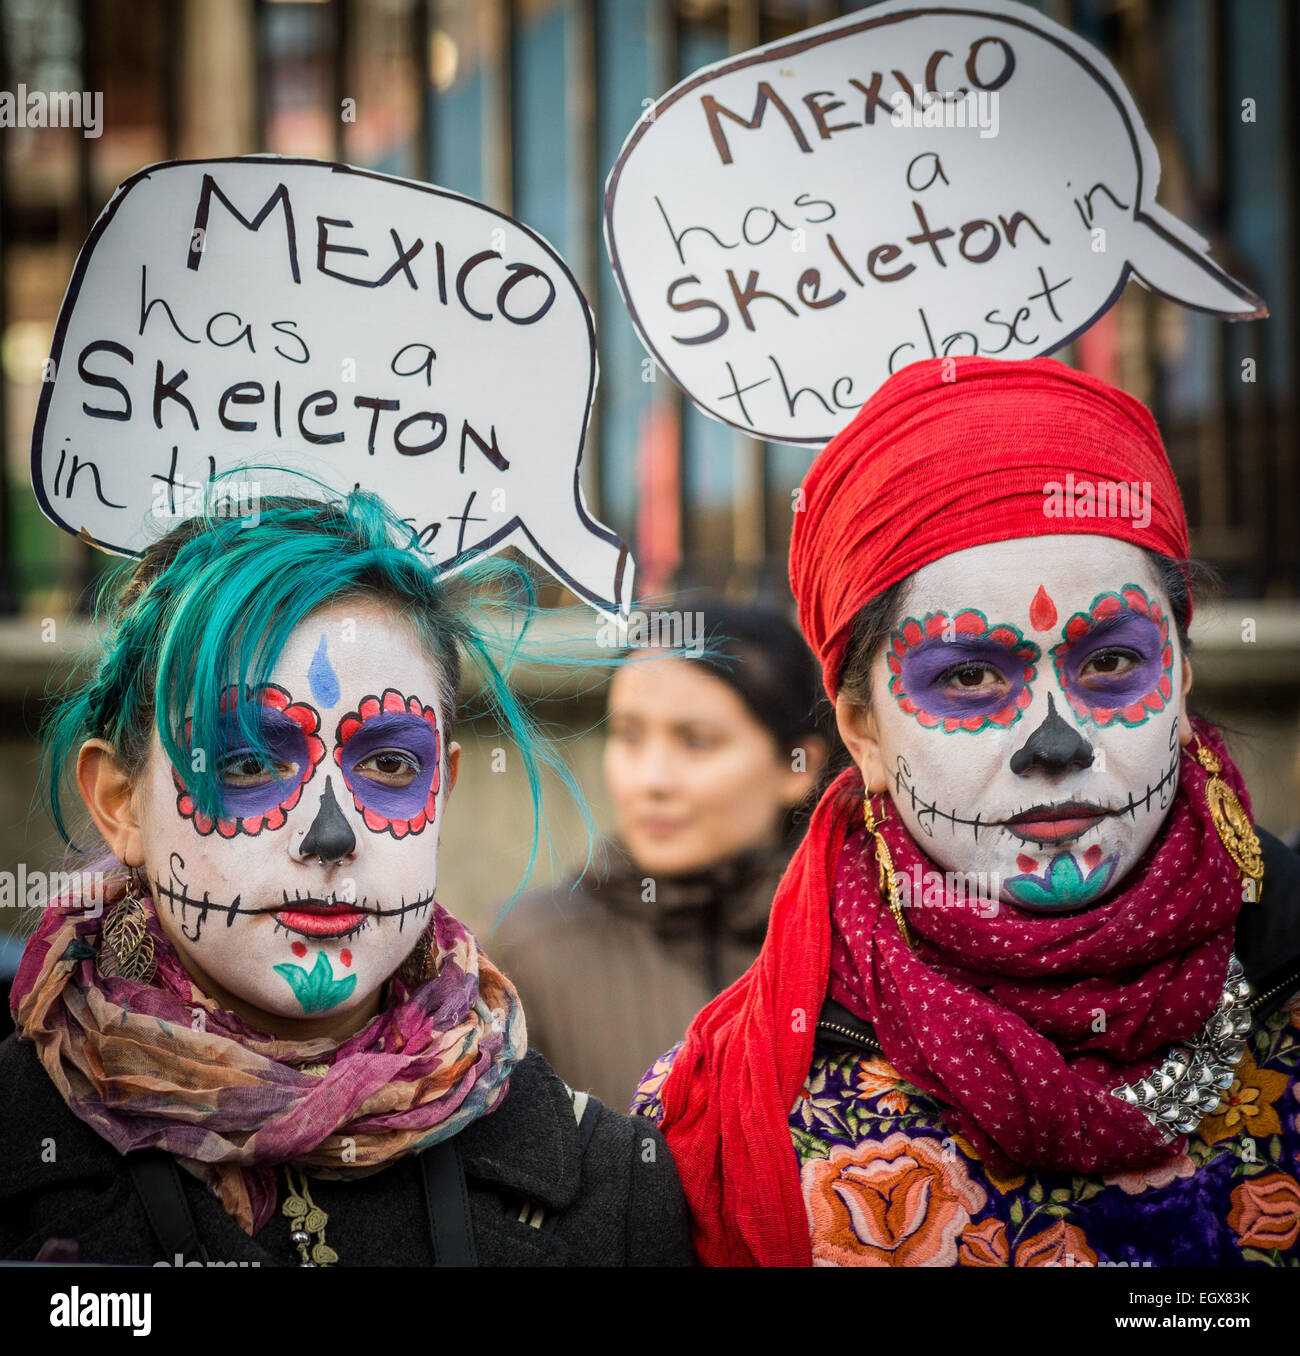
{"type": "Point", "coordinates": [321, 676]}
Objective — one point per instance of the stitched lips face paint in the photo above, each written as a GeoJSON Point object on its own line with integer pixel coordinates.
{"type": "Point", "coordinates": [252, 912]}
{"type": "Point", "coordinates": [258, 796]}
{"type": "Point", "coordinates": [1060, 786]}
{"type": "Point", "coordinates": [388, 751]}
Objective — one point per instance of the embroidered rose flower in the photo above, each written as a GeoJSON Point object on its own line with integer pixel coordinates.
{"type": "Point", "coordinates": [1247, 1106]}
{"type": "Point", "coordinates": [1265, 1212]}
{"type": "Point", "coordinates": [1059, 1245]}
{"type": "Point", "coordinates": [983, 1244]}
{"type": "Point", "coordinates": [1135, 1183]}
{"type": "Point", "coordinates": [879, 1079]}
{"type": "Point", "coordinates": [896, 1202]}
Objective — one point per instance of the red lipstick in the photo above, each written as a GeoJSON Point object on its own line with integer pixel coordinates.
{"type": "Point", "coordinates": [1055, 823]}
{"type": "Point", "coordinates": [314, 919]}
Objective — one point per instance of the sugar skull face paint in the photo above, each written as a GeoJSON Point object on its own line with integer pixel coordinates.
{"type": "Point", "coordinates": [1115, 661]}
{"type": "Point", "coordinates": [1064, 772]}
{"type": "Point", "coordinates": [939, 667]}
{"type": "Point", "coordinates": [387, 750]}
{"type": "Point", "coordinates": [308, 920]}
{"type": "Point", "coordinates": [255, 800]}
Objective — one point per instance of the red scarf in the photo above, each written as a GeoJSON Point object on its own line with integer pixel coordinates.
{"type": "Point", "coordinates": [1007, 1018]}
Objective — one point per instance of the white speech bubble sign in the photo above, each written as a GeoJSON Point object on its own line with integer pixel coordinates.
{"type": "Point", "coordinates": [790, 226]}
{"type": "Point", "coordinates": [366, 329]}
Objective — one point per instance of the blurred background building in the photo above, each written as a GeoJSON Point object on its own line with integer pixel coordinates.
{"type": "Point", "coordinates": [524, 104]}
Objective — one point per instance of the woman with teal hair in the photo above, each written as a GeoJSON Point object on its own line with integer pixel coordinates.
{"type": "Point", "coordinates": [265, 1041]}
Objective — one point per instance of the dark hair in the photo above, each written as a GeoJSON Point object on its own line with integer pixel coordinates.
{"type": "Point", "coordinates": [765, 660]}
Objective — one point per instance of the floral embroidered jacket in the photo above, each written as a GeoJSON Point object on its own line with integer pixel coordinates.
{"type": "Point", "coordinates": [886, 1183]}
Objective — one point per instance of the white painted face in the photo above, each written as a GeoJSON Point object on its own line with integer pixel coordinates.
{"type": "Point", "coordinates": [1028, 710]}
{"type": "Point", "coordinates": [319, 884]}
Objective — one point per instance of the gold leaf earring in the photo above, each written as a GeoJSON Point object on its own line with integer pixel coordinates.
{"type": "Point", "coordinates": [885, 867]}
{"type": "Point", "coordinates": [418, 968]}
{"type": "Point", "coordinates": [125, 946]}
{"type": "Point", "coordinates": [1230, 822]}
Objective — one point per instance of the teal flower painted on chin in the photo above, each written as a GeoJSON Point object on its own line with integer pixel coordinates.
{"type": "Point", "coordinates": [1064, 886]}
{"type": "Point", "coordinates": [318, 991]}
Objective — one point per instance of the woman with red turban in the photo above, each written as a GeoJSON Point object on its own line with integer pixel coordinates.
{"type": "Point", "coordinates": [1029, 992]}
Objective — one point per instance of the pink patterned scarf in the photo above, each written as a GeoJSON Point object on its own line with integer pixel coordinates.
{"type": "Point", "coordinates": [161, 1065]}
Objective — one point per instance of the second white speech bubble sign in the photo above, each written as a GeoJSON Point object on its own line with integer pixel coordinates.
{"type": "Point", "coordinates": [790, 226]}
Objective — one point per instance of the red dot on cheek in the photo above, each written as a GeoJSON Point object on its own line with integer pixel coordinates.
{"type": "Point", "coordinates": [299, 949]}
{"type": "Point", "coordinates": [1092, 857]}
{"type": "Point", "coordinates": [345, 956]}
{"type": "Point", "coordinates": [1025, 863]}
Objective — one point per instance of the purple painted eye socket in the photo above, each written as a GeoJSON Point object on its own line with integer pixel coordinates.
{"type": "Point", "coordinates": [411, 744]}
{"type": "Point", "coordinates": [1115, 664]}
{"type": "Point", "coordinates": [286, 744]}
{"type": "Point", "coordinates": [927, 658]}
{"type": "Point", "coordinates": [931, 677]}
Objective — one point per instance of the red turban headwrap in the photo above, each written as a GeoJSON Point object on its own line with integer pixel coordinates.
{"type": "Point", "coordinates": [956, 452]}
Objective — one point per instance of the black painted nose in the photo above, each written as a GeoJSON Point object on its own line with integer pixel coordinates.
{"type": "Point", "coordinates": [330, 836]}
{"type": "Point", "coordinates": [1053, 747]}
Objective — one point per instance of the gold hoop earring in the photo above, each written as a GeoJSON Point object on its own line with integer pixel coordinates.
{"type": "Point", "coordinates": [125, 946]}
{"type": "Point", "coordinates": [419, 967]}
{"type": "Point", "coordinates": [888, 881]}
{"type": "Point", "coordinates": [1230, 822]}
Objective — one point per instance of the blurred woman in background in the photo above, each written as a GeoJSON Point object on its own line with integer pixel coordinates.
{"type": "Point", "coordinates": [707, 760]}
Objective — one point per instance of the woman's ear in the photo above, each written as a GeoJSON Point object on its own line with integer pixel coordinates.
{"type": "Point", "coordinates": [453, 765]}
{"type": "Point", "coordinates": [108, 792]}
{"type": "Point", "coordinates": [857, 726]}
{"type": "Point", "coordinates": [1185, 732]}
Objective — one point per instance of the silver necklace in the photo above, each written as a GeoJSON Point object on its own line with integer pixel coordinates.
{"type": "Point", "coordinates": [1191, 1082]}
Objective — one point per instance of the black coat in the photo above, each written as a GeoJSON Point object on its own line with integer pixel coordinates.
{"type": "Point", "coordinates": [537, 1196]}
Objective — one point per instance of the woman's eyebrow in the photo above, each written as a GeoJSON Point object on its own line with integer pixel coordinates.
{"type": "Point", "coordinates": [1115, 621]}
{"type": "Point", "coordinates": [963, 644]}
{"type": "Point", "coordinates": [696, 727]}
{"type": "Point", "coordinates": [392, 720]}
{"type": "Point", "coordinates": [268, 717]}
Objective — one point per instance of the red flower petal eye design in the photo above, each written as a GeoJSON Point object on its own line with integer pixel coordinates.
{"type": "Point", "coordinates": [398, 811]}
{"type": "Point", "coordinates": [1106, 605]}
{"type": "Point", "coordinates": [1015, 656]}
{"type": "Point", "coordinates": [253, 820]}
